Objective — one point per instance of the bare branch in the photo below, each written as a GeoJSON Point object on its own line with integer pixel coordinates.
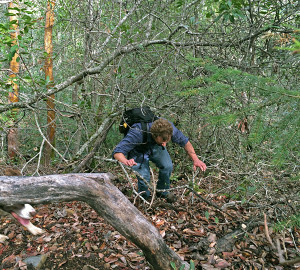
{"type": "Point", "coordinates": [97, 191]}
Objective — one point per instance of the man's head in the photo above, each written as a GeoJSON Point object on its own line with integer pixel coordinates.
{"type": "Point", "coordinates": [161, 131]}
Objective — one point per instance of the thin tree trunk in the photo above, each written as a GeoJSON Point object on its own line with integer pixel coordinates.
{"type": "Point", "coordinates": [110, 203]}
{"type": "Point", "coordinates": [102, 136]}
{"type": "Point", "coordinates": [49, 75]}
{"type": "Point", "coordinates": [12, 135]}
{"type": "Point", "coordinates": [77, 137]}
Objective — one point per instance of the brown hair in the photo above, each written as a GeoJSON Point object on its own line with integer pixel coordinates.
{"type": "Point", "coordinates": [163, 128]}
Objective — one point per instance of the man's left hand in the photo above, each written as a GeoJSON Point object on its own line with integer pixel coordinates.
{"type": "Point", "coordinates": [200, 164]}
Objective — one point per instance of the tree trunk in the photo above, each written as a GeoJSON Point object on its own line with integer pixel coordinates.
{"type": "Point", "coordinates": [49, 74]}
{"type": "Point", "coordinates": [78, 132]}
{"type": "Point", "coordinates": [97, 191]}
{"type": "Point", "coordinates": [12, 135]}
{"type": "Point", "coordinates": [101, 137]}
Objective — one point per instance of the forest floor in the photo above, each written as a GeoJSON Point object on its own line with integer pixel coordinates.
{"type": "Point", "coordinates": [77, 238]}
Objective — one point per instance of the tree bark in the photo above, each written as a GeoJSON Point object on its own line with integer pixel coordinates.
{"type": "Point", "coordinates": [14, 65]}
{"type": "Point", "coordinates": [97, 191]}
{"type": "Point", "coordinates": [102, 136]}
{"type": "Point", "coordinates": [49, 153]}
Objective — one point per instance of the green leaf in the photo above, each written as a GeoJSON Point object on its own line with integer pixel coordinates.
{"type": "Point", "coordinates": [9, 14]}
{"type": "Point", "coordinates": [13, 22]}
{"type": "Point", "coordinates": [14, 48]}
{"type": "Point", "coordinates": [207, 214]}
{"type": "Point", "coordinates": [173, 265]}
{"type": "Point", "coordinates": [219, 17]}
{"type": "Point", "coordinates": [4, 27]}
{"type": "Point", "coordinates": [208, 15]}
{"type": "Point", "coordinates": [192, 265]}
{"type": "Point", "coordinates": [14, 8]}
{"type": "Point", "coordinates": [179, 3]}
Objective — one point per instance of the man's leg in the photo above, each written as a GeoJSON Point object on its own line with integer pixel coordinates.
{"type": "Point", "coordinates": [143, 169]}
{"type": "Point", "coordinates": [161, 158]}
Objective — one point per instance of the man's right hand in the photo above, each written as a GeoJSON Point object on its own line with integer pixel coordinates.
{"type": "Point", "coordinates": [128, 162]}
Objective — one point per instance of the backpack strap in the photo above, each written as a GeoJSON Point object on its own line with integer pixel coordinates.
{"type": "Point", "coordinates": [145, 132]}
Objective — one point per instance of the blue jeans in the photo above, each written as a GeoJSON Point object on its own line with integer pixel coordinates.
{"type": "Point", "coordinates": [161, 158]}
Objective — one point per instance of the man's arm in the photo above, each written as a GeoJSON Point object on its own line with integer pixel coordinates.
{"type": "Point", "coordinates": [133, 138]}
{"type": "Point", "coordinates": [121, 157]}
{"type": "Point", "coordinates": [191, 152]}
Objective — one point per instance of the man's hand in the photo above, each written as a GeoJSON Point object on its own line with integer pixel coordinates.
{"type": "Point", "coordinates": [200, 164]}
{"type": "Point", "coordinates": [128, 162]}
{"type": "Point", "coordinates": [191, 152]}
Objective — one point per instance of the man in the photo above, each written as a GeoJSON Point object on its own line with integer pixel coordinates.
{"type": "Point", "coordinates": [132, 152]}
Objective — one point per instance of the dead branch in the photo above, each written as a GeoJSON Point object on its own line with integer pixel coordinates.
{"type": "Point", "coordinates": [267, 232]}
{"type": "Point", "coordinates": [97, 191]}
{"type": "Point", "coordinates": [282, 261]}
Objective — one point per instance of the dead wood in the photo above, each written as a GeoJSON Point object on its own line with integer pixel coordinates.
{"type": "Point", "coordinates": [97, 191]}
{"type": "Point", "coordinates": [227, 242]}
{"type": "Point", "coordinates": [267, 232]}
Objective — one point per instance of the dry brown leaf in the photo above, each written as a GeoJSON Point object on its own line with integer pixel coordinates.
{"type": "Point", "coordinates": [222, 264]}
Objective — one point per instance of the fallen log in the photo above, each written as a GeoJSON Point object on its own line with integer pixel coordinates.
{"type": "Point", "coordinates": [96, 190]}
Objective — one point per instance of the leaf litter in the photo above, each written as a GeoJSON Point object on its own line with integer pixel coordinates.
{"type": "Point", "coordinates": [77, 238]}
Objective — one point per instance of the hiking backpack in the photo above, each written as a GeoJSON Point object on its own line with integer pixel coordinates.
{"type": "Point", "coordinates": [141, 115]}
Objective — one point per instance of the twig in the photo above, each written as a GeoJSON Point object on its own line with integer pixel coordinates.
{"type": "Point", "coordinates": [38, 154]}
{"type": "Point", "coordinates": [130, 169]}
{"type": "Point", "coordinates": [208, 202]}
{"type": "Point", "coordinates": [291, 262]}
{"type": "Point", "coordinates": [282, 261]}
{"type": "Point", "coordinates": [283, 244]}
{"type": "Point", "coordinates": [94, 268]}
{"type": "Point", "coordinates": [44, 137]}
{"type": "Point", "coordinates": [229, 204]}
{"type": "Point", "coordinates": [267, 231]}
{"type": "Point", "coordinates": [193, 183]}
{"type": "Point", "coordinates": [138, 195]}
{"type": "Point", "coordinates": [39, 159]}
{"type": "Point", "coordinates": [154, 188]}
{"type": "Point", "coordinates": [280, 252]}
{"type": "Point", "coordinates": [291, 233]}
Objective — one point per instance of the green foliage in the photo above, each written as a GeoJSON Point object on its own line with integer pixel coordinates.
{"type": "Point", "coordinates": [232, 94]}
{"type": "Point", "coordinates": [230, 10]}
{"type": "Point", "coordinates": [246, 189]}
{"type": "Point", "coordinates": [192, 266]}
{"type": "Point", "coordinates": [26, 22]}
{"type": "Point", "coordinates": [289, 223]}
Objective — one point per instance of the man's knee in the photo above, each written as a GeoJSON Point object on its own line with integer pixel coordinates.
{"type": "Point", "coordinates": [168, 167]}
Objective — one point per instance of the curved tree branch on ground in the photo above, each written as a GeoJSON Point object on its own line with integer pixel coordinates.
{"type": "Point", "coordinates": [97, 191]}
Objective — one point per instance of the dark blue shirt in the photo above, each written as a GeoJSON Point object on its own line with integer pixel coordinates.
{"type": "Point", "coordinates": [134, 139]}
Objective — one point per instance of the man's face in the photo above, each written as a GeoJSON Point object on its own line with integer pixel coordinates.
{"type": "Point", "coordinates": [159, 140]}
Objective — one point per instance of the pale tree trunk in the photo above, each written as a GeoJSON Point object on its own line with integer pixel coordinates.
{"type": "Point", "coordinates": [12, 135]}
{"type": "Point", "coordinates": [110, 203]}
{"type": "Point", "coordinates": [48, 153]}
{"type": "Point", "coordinates": [77, 137]}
